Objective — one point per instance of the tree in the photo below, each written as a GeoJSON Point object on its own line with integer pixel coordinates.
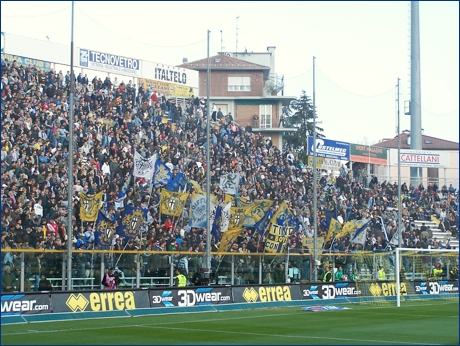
{"type": "Point", "coordinates": [299, 114]}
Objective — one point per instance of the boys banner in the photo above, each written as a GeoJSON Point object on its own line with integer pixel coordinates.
{"type": "Point", "coordinates": [144, 168]}
{"type": "Point", "coordinates": [277, 237]}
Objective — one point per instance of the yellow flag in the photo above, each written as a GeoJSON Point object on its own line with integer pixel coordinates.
{"type": "Point", "coordinates": [435, 219]}
{"type": "Point", "coordinates": [237, 218]}
{"type": "Point", "coordinates": [281, 215]}
{"type": "Point", "coordinates": [196, 187]}
{"type": "Point", "coordinates": [228, 238]}
{"type": "Point", "coordinates": [348, 228]}
{"type": "Point", "coordinates": [334, 229]}
{"type": "Point", "coordinates": [172, 203]}
{"type": "Point", "coordinates": [229, 199]}
{"type": "Point", "coordinates": [90, 205]}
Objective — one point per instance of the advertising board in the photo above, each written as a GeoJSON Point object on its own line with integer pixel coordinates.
{"type": "Point", "coordinates": [329, 149]}
{"type": "Point", "coordinates": [329, 290]}
{"type": "Point", "coordinates": [190, 296]}
{"type": "Point", "coordinates": [272, 293]}
{"type": "Point", "coordinates": [25, 303]}
{"type": "Point", "coordinates": [110, 63]}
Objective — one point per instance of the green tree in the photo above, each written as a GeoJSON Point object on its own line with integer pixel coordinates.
{"type": "Point", "coordinates": [300, 114]}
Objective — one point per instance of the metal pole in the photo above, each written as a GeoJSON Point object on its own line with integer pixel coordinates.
{"type": "Point", "coordinates": [207, 272]}
{"type": "Point", "coordinates": [397, 268]}
{"type": "Point", "coordinates": [399, 176]}
{"type": "Point", "coordinates": [70, 168]}
{"type": "Point", "coordinates": [315, 192]}
{"type": "Point", "coordinates": [138, 271]}
{"type": "Point", "coordinates": [22, 272]}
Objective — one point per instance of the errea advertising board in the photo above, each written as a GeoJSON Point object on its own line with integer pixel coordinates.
{"type": "Point", "coordinates": [329, 148]}
{"type": "Point", "coordinates": [110, 63]}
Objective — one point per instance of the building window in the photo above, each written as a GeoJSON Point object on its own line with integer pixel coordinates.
{"type": "Point", "coordinates": [239, 83]}
{"type": "Point", "coordinates": [265, 117]}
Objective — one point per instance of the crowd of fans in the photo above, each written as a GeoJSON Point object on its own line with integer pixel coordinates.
{"type": "Point", "coordinates": [111, 120]}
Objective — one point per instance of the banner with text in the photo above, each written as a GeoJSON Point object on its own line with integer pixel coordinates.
{"type": "Point", "coordinates": [323, 163]}
{"type": "Point", "coordinates": [21, 60]}
{"type": "Point", "coordinates": [272, 293]}
{"type": "Point", "coordinates": [329, 291]}
{"type": "Point", "coordinates": [329, 149]}
{"type": "Point", "coordinates": [420, 158]}
{"type": "Point", "coordinates": [310, 243]}
{"type": "Point", "coordinates": [170, 74]}
{"type": "Point", "coordinates": [99, 301]}
{"type": "Point", "coordinates": [109, 63]}
{"type": "Point", "coordinates": [190, 296]}
{"type": "Point", "coordinates": [368, 154]}
{"type": "Point", "coordinates": [167, 89]}
{"type": "Point", "coordinates": [25, 303]}
{"type": "Point", "coordinates": [277, 237]}
{"type": "Point", "coordinates": [436, 287]}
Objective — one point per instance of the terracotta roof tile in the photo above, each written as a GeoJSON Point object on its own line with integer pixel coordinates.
{"type": "Point", "coordinates": [428, 143]}
{"type": "Point", "coordinates": [223, 62]}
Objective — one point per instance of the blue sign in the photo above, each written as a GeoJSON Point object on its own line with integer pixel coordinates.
{"type": "Point", "coordinates": [109, 62]}
{"type": "Point", "coordinates": [329, 149]}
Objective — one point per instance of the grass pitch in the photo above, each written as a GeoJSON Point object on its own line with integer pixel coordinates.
{"type": "Point", "coordinates": [414, 323]}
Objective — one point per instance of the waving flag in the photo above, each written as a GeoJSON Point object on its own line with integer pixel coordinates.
{"type": "Point", "coordinates": [132, 221]}
{"type": "Point", "coordinates": [256, 211]}
{"type": "Point", "coordinates": [196, 186]}
{"type": "Point", "coordinates": [105, 230]}
{"type": "Point", "coordinates": [229, 183]}
{"type": "Point", "coordinates": [162, 175]}
{"type": "Point", "coordinates": [281, 216]}
{"type": "Point", "coordinates": [90, 205]}
{"type": "Point", "coordinates": [198, 210]}
{"type": "Point", "coordinates": [172, 203]}
{"type": "Point", "coordinates": [360, 234]}
{"type": "Point", "coordinates": [144, 168]}
{"type": "Point", "coordinates": [228, 238]}
{"type": "Point", "coordinates": [179, 182]}
{"type": "Point", "coordinates": [330, 214]}
{"type": "Point", "coordinates": [334, 229]}
{"type": "Point", "coordinates": [263, 222]}
{"type": "Point", "coordinates": [216, 219]}
{"type": "Point", "coordinates": [348, 228]}
{"type": "Point", "coordinates": [124, 189]}
{"type": "Point", "coordinates": [237, 218]}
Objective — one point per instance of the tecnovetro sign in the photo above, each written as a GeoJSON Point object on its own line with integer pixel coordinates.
{"type": "Point", "coordinates": [329, 148]}
{"type": "Point", "coordinates": [109, 63]}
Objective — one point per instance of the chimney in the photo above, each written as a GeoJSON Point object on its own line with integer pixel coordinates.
{"type": "Point", "coordinates": [184, 60]}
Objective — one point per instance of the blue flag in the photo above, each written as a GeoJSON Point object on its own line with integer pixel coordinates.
{"type": "Point", "coordinates": [105, 230]}
{"type": "Point", "coordinates": [179, 182]}
{"type": "Point", "coordinates": [263, 222]}
{"type": "Point", "coordinates": [330, 214]}
{"type": "Point", "coordinates": [163, 174]}
{"type": "Point", "coordinates": [215, 230]}
{"type": "Point", "coordinates": [124, 189]}
{"type": "Point", "coordinates": [132, 221]}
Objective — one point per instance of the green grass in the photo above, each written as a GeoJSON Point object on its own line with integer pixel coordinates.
{"type": "Point", "coordinates": [414, 323]}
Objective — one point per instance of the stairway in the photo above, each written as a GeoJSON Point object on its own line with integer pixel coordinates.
{"type": "Point", "coordinates": [444, 237]}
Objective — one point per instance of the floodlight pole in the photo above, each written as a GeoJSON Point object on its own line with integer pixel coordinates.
{"type": "Point", "coordinates": [399, 176]}
{"type": "Point", "coordinates": [207, 272]}
{"type": "Point", "coordinates": [70, 168]}
{"type": "Point", "coordinates": [315, 192]}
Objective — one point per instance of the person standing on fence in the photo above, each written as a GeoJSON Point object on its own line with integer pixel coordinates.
{"type": "Point", "coordinates": [380, 273]}
{"type": "Point", "coordinates": [110, 281]}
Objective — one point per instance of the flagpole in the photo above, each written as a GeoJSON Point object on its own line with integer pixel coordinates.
{"type": "Point", "coordinates": [315, 192]}
{"type": "Point", "coordinates": [399, 177]}
{"type": "Point", "coordinates": [207, 271]}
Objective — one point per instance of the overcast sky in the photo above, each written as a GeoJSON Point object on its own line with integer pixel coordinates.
{"type": "Point", "coordinates": [361, 49]}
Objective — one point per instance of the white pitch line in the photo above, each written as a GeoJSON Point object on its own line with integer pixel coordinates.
{"type": "Point", "coordinates": [285, 336]}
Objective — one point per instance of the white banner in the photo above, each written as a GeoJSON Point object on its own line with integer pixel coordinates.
{"type": "Point", "coordinates": [170, 74]}
{"type": "Point", "coordinates": [198, 210]}
{"type": "Point", "coordinates": [420, 158]}
{"type": "Point", "coordinates": [144, 168]}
